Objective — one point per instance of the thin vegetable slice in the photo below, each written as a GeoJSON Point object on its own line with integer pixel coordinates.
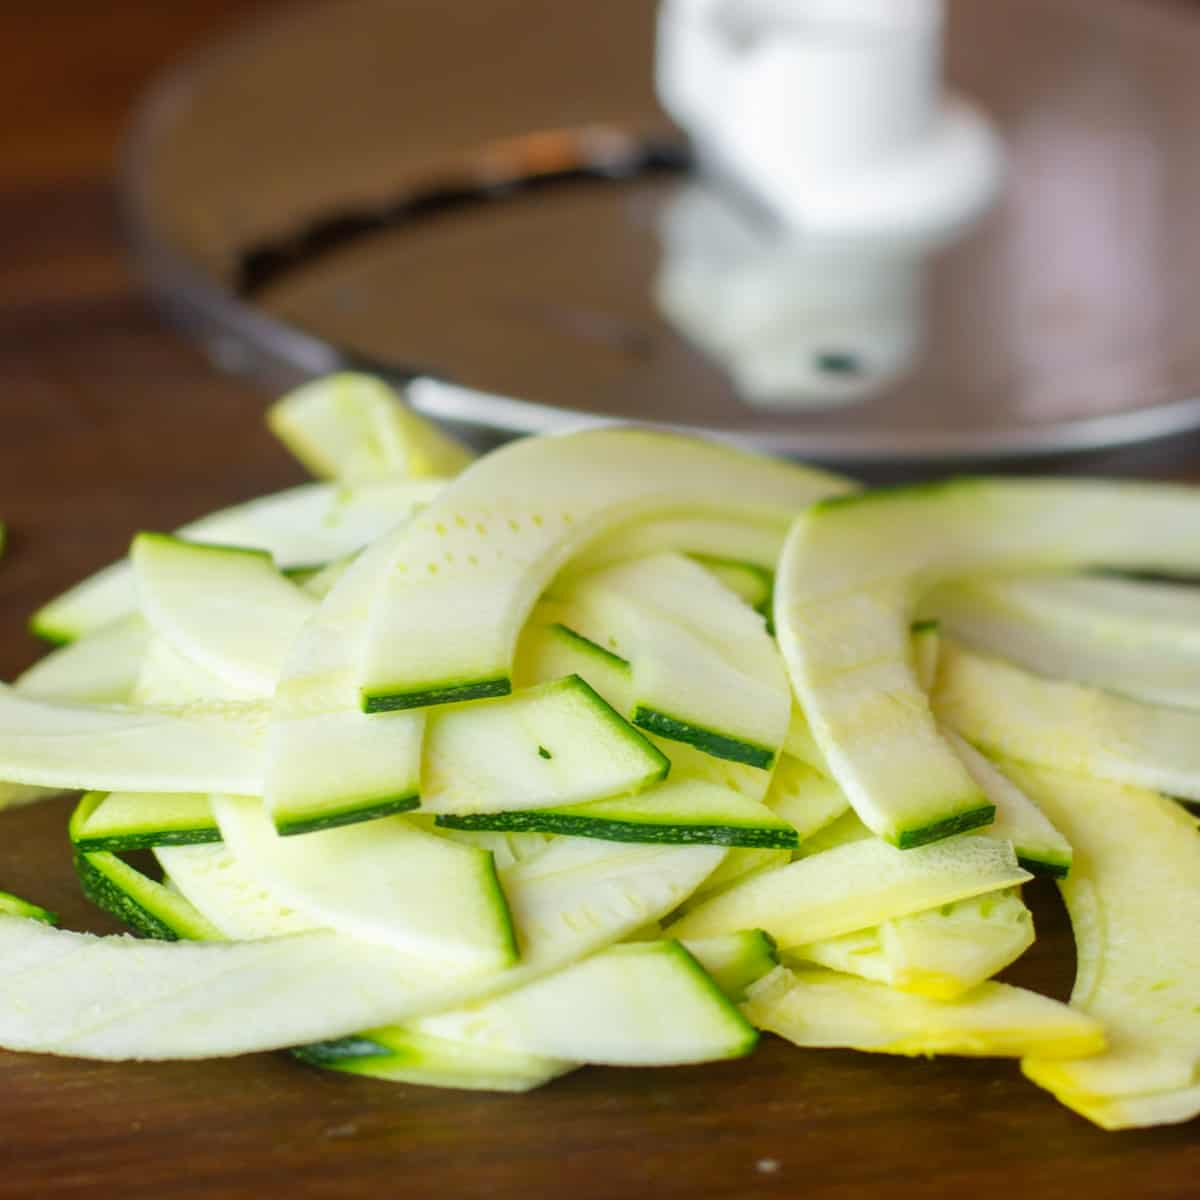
{"type": "Point", "coordinates": [853, 886]}
{"type": "Point", "coordinates": [474, 562]}
{"type": "Point", "coordinates": [1134, 900]}
{"type": "Point", "coordinates": [823, 1008]}
{"type": "Point", "coordinates": [311, 524]}
{"type": "Point", "coordinates": [1006, 711]}
{"type": "Point", "coordinates": [849, 579]}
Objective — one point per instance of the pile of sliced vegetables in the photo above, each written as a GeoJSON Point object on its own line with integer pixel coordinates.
{"type": "Point", "coordinates": [617, 747]}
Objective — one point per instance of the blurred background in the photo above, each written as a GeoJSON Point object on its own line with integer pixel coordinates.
{"type": "Point", "coordinates": [494, 194]}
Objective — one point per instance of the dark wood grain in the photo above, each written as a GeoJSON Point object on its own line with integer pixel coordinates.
{"type": "Point", "coordinates": [109, 423]}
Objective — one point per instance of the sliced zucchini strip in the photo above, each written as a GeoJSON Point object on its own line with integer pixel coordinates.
{"type": "Point", "coordinates": [400, 1054]}
{"type": "Point", "coordinates": [680, 811]}
{"type": "Point", "coordinates": [1008, 712]}
{"type": "Point", "coordinates": [227, 609]}
{"type": "Point", "coordinates": [822, 1008]}
{"type": "Point", "coordinates": [471, 566]}
{"type": "Point", "coordinates": [549, 746]}
{"type": "Point", "coordinates": [1133, 896]}
{"type": "Point", "coordinates": [638, 1004]}
{"type": "Point", "coordinates": [704, 669]}
{"type": "Point", "coordinates": [327, 763]}
{"type": "Point", "coordinates": [72, 747]}
{"type": "Point", "coordinates": [311, 524]}
{"type": "Point", "coordinates": [387, 882]}
{"type": "Point", "coordinates": [851, 575]}
{"type": "Point", "coordinates": [853, 886]}
{"type": "Point", "coordinates": [121, 821]}
{"type": "Point", "coordinates": [356, 429]}
{"type": "Point", "coordinates": [942, 953]}
{"type": "Point", "coordinates": [1127, 636]}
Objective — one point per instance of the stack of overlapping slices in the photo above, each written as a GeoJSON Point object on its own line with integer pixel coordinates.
{"type": "Point", "coordinates": [617, 747]}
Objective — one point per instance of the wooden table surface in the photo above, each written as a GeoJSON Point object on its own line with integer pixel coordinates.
{"type": "Point", "coordinates": [110, 422]}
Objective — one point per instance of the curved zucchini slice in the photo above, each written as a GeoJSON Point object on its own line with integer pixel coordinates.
{"type": "Point", "coordinates": [356, 429]}
{"type": "Point", "coordinates": [807, 801]}
{"type": "Point", "coordinates": [703, 668]}
{"type": "Point", "coordinates": [851, 574]}
{"type": "Point", "coordinates": [685, 811]}
{"type": "Point", "coordinates": [471, 566]}
{"type": "Point", "coordinates": [853, 886]}
{"type": "Point", "coordinates": [226, 608]}
{"type": "Point", "coordinates": [144, 905]}
{"type": "Point", "coordinates": [638, 1004]}
{"type": "Point", "coordinates": [1131, 637]}
{"type": "Point", "coordinates": [301, 527]}
{"type": "Point", "coordinates": [1133, 896]}
{"type": "Point", "coordinates": [386, 882]}
{"type": "Point", "coordinates": [327, 764]}
{"type": "Point", "coordinates": [73, 747]}
{"type": "Point", "coordinates": [548, 746]}
{"type": "Point", "coordinates": [402, 1054]}
{"type": "Point", "coordinates": [942, 953]}
{"type": "Point", "coordinates": [1007, 712]}
{"type": "Point", "coordinates": [1040, 848]}
{"type": "Point", "coordinates": [100, 668]}
{"type": "Point", "coordinates": [822, 1008]}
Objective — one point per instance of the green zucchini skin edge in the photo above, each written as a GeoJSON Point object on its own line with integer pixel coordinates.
{"type": "Point", "coordinates": [910, 839]}
{"type": "Point", "coordinates": [348, 816]}
{"type": "Point", "coordinates": [548, 821]}
{"type": "Point", "coordinates": [321, 1054]}
{"type": "Point", "coordinates": [118, 843]}
{"type": "Point", "coordinates": [1044, 867]}
{"type": "Point", "coordinates": [449, 693]}
{"type": "Point", "coordinates": [716, 744]}
{"type": "Point", "coordinates": [586, 643]}
{"type": "Point", "coordinates": [97, 888]}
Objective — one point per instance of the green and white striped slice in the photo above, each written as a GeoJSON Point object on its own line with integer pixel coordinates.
{"type": "Point", "coordinates": [1040, 847]}
{"type": "Point", "coordinates": [703, 669]}
{"type": "Point", "coordinates": [303, 526]}
{"type": "Point", "coordinates": [852, 887]}
{"type": "Point", "coordinates": [823, 1008]}
{"type": "Point", "coordinates": [356, 429]}
{"type": "Point", "coordinates": [554, 745]}
{"type": "Point", "coordinates": [227, 609]}
{"type": "Point", "coordinates": [748, 582]}
{"type": "Point", "coordinates": [472, 565]}
{"type": "Point", "coordinates": [121, 821]}
{"type": "Point", "coordinates": [72, 747]}
{"type": "Point", "coordinates": [687, 811]}
{"type": "Point", "coordinates": [401, 1054]}
{"type": "Point", "coordinates": [639, 1004]}
{"type": "Point", "coordinates": [1007, 712]}
{"type": "Point", "coordinates": [550, 649]}
{"type": "Point", "coordinates": [387, 882]}
{"type": "Point", "coordinates": [117, 998]}
{"type": "Point", "coordinates": [100, 668]}
{"type": "Point", "coordinates": [144, 905]}
{"type": "Point", "coordinates": [327, 763]}
{"type": "Point", "coordinates": [851, 574]}
{"type": "Point", "coordinates": [14, 906]}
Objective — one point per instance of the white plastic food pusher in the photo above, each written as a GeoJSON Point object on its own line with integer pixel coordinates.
{"type": "Point", "coordinates": [829, 112]}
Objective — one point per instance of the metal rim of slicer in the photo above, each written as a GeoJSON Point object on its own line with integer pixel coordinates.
{"type": "Point", "coordinates": [243, 335]}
